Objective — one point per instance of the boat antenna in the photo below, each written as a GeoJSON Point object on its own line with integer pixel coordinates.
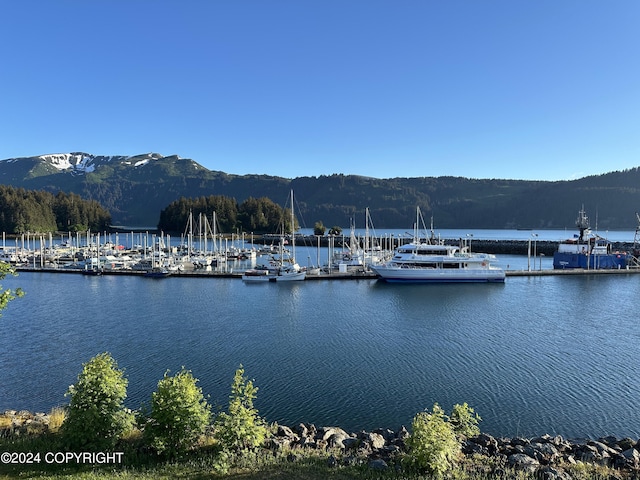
{"type": "Point", "coordinates": [582, 223]}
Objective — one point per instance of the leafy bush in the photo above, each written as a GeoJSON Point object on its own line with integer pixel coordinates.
{"type": "Point", "coordinates": [7, 295]}
{"type": "Point", "coordinates": [241, 428]}
{"type": "Point", "coordinates": [319, 228]}
{"type": "Point", "coordinates": [179, 414]}
{"type": "Point", "coordinates": [96, 416]}
{"type": "Point", "coordinates": [465, 420]}
{"type": "Point", "coordinates": [432, 445]}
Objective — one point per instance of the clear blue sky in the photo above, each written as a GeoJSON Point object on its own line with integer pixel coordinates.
{"type": "Point", "coordinates": [538, 89]}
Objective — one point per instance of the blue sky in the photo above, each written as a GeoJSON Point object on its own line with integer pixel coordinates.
{"type": "Point", "coordinates": [537, 90]}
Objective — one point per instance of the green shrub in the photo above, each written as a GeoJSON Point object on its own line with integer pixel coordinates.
{"type": "Point", "coordinates": [241, 428]}
{"type": "Point", "coordinates": [465, 420]}
{"type": "Point", "coordinates": [432, 445]}
{"type": "Point", "coordinates": [179, 414]}
{"type": "Point", "coordinates": [96, 416]}
{"type": "Point", "coordinates": [7, 295]}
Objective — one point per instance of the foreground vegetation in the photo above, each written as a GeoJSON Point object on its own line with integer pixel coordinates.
{"type": "Point", "coordinates": [178, 436]}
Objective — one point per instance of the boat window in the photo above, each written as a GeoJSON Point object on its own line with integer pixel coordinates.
{"type": "Point", "coordinates": [451, 265]}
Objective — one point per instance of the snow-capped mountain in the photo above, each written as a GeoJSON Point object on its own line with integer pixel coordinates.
{"type": "Point", "coordinates": [79, 162]}
{"type": "Point", "coordinates": [134, 188]}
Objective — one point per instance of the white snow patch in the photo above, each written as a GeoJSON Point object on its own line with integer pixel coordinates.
{"type": "Point", "coordinates": [66, 161]}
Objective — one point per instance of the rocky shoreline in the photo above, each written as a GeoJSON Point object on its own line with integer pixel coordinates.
{"type": "Point", "coordinates": [546, 456]}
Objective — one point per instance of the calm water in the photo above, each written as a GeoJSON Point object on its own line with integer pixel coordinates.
{"type": "Point", "coordinates": [533, 356]}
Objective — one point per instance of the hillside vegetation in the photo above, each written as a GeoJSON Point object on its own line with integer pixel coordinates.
{"type": "Point", "coordinates": [136, 189]}
{"type": "Point", "coordinates": [24, 211]}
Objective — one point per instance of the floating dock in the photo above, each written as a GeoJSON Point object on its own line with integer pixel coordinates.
{"type": "Point", "coordinates": [354, 275]}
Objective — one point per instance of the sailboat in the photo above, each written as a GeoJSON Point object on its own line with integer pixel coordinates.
{"type": "Point", "coordinates": [284, 270]}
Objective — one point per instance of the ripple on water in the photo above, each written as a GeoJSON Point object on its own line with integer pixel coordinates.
{"type": "Point", "coordinates": [535, 355]}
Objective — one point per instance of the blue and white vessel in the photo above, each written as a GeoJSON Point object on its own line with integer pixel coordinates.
{"type": "Point", "coordinates": [587, 250]}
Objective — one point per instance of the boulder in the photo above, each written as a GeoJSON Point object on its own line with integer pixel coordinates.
{"type": "Point", "coordinates": [632, 457]}
{"type": "Point", "coordinates": [626, 443]}
{"type": "Point", "coordinates": [284, 431]}
{"type": "Point", "coordinates": [302, 430]}
{"type": "Point", "coordinates": [376, 440]}
{"type": "Point", "coordinates": [403, 433]}
{"type": "Point", "coordinates": [378, 464]}
{"type": "Point", "coordinates": [337, 439]}
{"type": "Point", "coordinates": [523, 462]}
{"type": "Point", "coordinates": [487, 442]}
{"type": "Point", "coordinates": [324, 433]}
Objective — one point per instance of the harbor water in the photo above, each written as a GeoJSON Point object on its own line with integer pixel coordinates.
{"type": "Point", "coordinates": [535, 355]}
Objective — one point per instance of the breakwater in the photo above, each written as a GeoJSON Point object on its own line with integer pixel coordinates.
{"type": "Point", "coordinates": [505, 247]}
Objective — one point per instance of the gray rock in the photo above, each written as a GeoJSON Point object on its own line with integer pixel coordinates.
{"type": "Point", "coordinates": [378, 464]}
{"type": "Point", "coordinates": [487, 442]}
{"type": "Point", "coordinates": [325, 433]}
{"type": "Point", "coordinates": [626, 444]}
{"type": "Point", "coordinates": [523, 462]}
{"type": "Point", "coordinates": [376, 440]}
{"type": "Point", "coordinates": [351, 443]}
{"type": "Point", "coordinates": [280, 443]}
{"type": "Point", "coordinates": [388, 435]}
{"type": "Point", "coordinates": [403, 433]}
{"type": "Point", "coordinates": [338, 438]}
{"type": "Point", "coordinates": [632, 456]}
{"type": "Point", "coordinates": [302, 430]}
{"type": "Point", "coordinates": [549, 473]}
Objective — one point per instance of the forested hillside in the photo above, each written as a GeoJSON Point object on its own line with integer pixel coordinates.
{"type": "Point", "coordinates": [136, 189]}
{"type": "Point", "coordinates": [224, 215]}
{"type": "Point", "coordinates": [24, 211]}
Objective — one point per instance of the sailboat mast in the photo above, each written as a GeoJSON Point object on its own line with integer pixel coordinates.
{"type": "Point", "coordinates": [293, 232]}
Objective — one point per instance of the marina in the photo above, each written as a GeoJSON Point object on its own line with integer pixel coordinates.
{"type": "Point", "coordinates": [395, 256]}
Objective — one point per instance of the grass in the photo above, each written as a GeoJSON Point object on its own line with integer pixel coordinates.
{"type": "Point", "coordinates": [207, 461]}
{"type": "Point", "coordinates": [56, 417]}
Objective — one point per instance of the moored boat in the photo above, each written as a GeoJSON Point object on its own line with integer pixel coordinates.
{"type": "Point", "coordinates": [431, 261]}
{"type": "Point", "coordinates": [587, 250]}
{"type": "Point", "coordinates": [157, 272]}
{"type": "Point", "coordinates": [436, 263]}
{"type": "Point", "coordinates": [282, 270]}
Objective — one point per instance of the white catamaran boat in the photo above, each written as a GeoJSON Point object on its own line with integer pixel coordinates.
{"type": "Point", "coordinates": [433, 262]}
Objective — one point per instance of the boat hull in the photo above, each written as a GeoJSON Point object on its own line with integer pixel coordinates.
{"type": "Point", "coordinates": [291, 277]}
{"type": "Point", "coordinates": [610, 261]}
{"type": "Point", "coordinates": [421, 275]}
{"type": "Point", "coordinates": [271, 277]}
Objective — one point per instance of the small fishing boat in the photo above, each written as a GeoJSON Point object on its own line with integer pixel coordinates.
{"type": "Point", "coordinates": [157, 272]}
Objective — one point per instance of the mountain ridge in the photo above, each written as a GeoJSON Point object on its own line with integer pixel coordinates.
{"type": "Point", "coordinates": [136, 188]}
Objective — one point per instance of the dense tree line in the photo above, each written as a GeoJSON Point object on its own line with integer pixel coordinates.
{"type": "Point", "coordinates": [24, 211]}
{"type": "Point", "coordinates": [260, 215]}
